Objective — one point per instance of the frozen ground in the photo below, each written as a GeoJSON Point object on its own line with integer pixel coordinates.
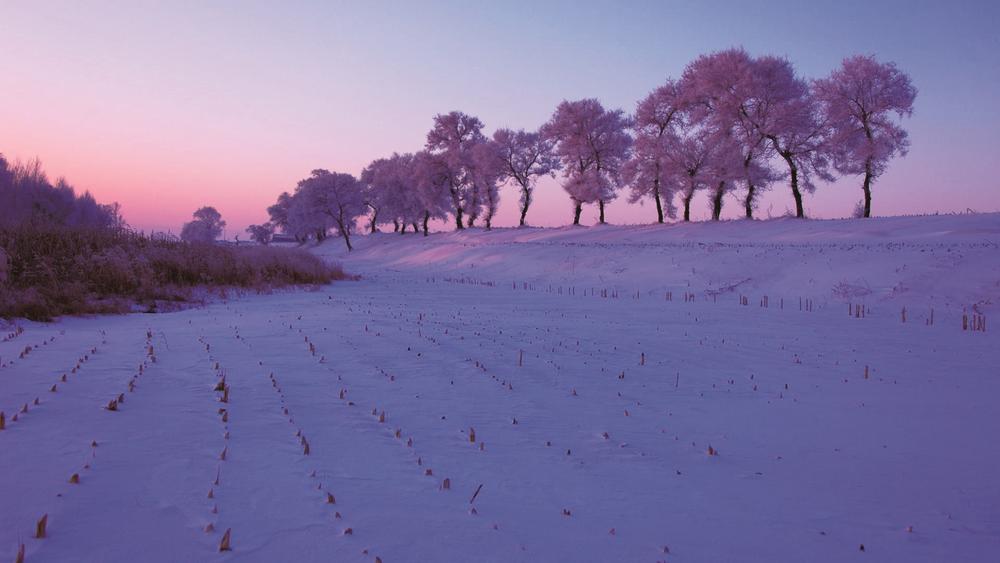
{"type": "Point", "coordinates": [948, 262]}
{"type": "Point", "coordinates": [593, 416]}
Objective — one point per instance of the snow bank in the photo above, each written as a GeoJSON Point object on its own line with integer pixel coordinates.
{"type": "Point", "coordinates": [945, 261]}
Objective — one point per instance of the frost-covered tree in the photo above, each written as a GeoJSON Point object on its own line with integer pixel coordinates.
{"type": "Point", "coordinates": [452, 139]}
{"type": "Point", "coordinates": [197, 232]}
{"type": "Point", "coordinates": [279, 212]}
{"type": "Point", "coordinates": [378, 184]}
{"type": "Point", "coordinates": [374, 196]}
{"type": "Point", "coordinates": [725, 167]}
{"type": "Point", "coordinates": [689, 156]}
{"type": "Point", "coordinates": [592, 143]}
{"type": "Point", "coordinates": [206, 226]}
{"type": "Point", "coordinates": [793, 124]}
{"type": "Point", "coordinates": [487, 169]}
{"type": "Point", "coordinates": [431, 178]}
{"type": "Point", "coordinates": [261, 234]}
{"type": "Point", "coordinates": [526, 156]}
{"type": "Point", "coordinates": [654, 124]}
{"type": "Point", "coordinates": [411, 205]}
{"type": "Point", "coordinates": [305, 218]}
{"type": "Point", "coordinates": [863, 101]}
{"type": "Point", "coordinates": [336, 195]}
{"type": "Point", "coordinates": [725, 96]}
{"type": "Point", "coordinates": [393, 184]}
{"type": "Point", "coordinates": [378, 188]}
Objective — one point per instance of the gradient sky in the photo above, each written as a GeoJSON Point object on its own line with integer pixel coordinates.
{"type": "Point", "coordinates": [167, 106]}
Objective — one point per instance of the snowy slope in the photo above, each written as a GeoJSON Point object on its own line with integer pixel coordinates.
{"type": "Point", "coordinates": [948, 261]}
{"type": "Point", "coordinates": [592, 416]}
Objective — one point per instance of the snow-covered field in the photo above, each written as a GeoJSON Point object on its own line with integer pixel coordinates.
{"type": "Point", "coordinates": [535, 395]}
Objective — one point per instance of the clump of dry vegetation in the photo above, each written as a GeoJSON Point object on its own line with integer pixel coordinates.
{"type": "Point", "coordinates": [47, 271]}
{"type": "Point", "coordinates": [66, 254]}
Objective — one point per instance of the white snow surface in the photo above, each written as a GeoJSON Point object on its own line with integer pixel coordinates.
{"type": "Point", "coordinates": [593, 399]}
{"type": "Point", "coordinates": [948, 261]}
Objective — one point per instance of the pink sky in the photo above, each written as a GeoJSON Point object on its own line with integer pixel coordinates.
{"type": "Point", "coordinates": [168, 107]}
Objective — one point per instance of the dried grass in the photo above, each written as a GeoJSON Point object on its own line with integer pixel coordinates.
{"type": "Point", "coordinates": [53, 271]}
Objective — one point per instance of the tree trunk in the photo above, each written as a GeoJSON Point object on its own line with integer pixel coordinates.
{"type": "Point", "coordinates": [491, 210]}
{"type": "Point", "coordinates": [402, 228]}
{"type": "Point", "coordinates": [720, 191]}
{"type": "Point", "coordinates": [867, 187]}
{"type": "Point", "coordinates": [600, 205]}
{"type": "Point", "coordinates": [458, 219]}
{"type": "Point", "coordinates": [395, 225]}
{"type": "Point", "coordinates": [427, 217]}
{"type": "Point", "coordinates": [577, 210]}
{"type": "Point", "coordinates": [751, 189]}
{"type": "Point", "coordinates": [475, 208]}
{"type": "Point", "coordinates": [794, 174]}
{"type": "Point", "coordinates": [344, 232]}
{"type": "Point", "coordinates": [372, 228]}
{"type": "Point", "coordinates": [687, 207]}
{"type": "Point", "coordinates": [656, 198]}
{"type": "Point", "coordinates": [416, 228]}
{"type": "Point", "coordinates": [527, 201]}
{"type": "Point", "coordinates": [799, 211]}
{"type": "Point", "coordinates": [751, 192]}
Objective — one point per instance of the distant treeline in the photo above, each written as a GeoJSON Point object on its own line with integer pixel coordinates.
{"type": "Point", "coordinates": [29, 198]}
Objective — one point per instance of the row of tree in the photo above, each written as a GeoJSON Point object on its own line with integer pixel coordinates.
{"type": "Point", "coordinates": [731, 124]}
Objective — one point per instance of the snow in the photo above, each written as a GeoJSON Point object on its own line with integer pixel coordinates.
{"type": "Point", "coordinates": [948, 261]}
{"type": "Point", "coordinates": [616, 399]}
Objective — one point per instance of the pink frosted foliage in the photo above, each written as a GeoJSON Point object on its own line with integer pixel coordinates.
{"type": "Point", "coordinates": [303, 218]}
{"type": "Point", "coordinates": [336, 196]}
{"type": "Point", "coordinates": [863, 101]}
{"type": "Point", "coordinates": [767, 111]}
{"type": "Point", "coordinates": [731, 123]}
{"type": "Point", "coordinates": [592, 143]}
{"type": "Point", "coordinates": [648, 171]}
{"type": "Point", "coordinates": [726, 93]}
{"type": "Point", "coordinates": [451, 140]}
{"type": "Point", "coordinates": [487, 168]}
{"type": "Point", "coordinates": [790, 117]}
{"type": "Point", "coordinates": [431, 181]}
{"type": "Point", "coordinates": [454, 133]}
{"type": "Point", "coordinates": [719, 87]}
{"type": "Point", "coordinates": [525, 156]}
{"type": "Point", "coordinates": [392, 190]}
{"type": "Point", "coordinates": [688, 158]}
{"type": "Point", "coordinates": [380, 190]}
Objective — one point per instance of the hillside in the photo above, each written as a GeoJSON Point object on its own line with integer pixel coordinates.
{"type": "Point", "coordinates": [949, 262]}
